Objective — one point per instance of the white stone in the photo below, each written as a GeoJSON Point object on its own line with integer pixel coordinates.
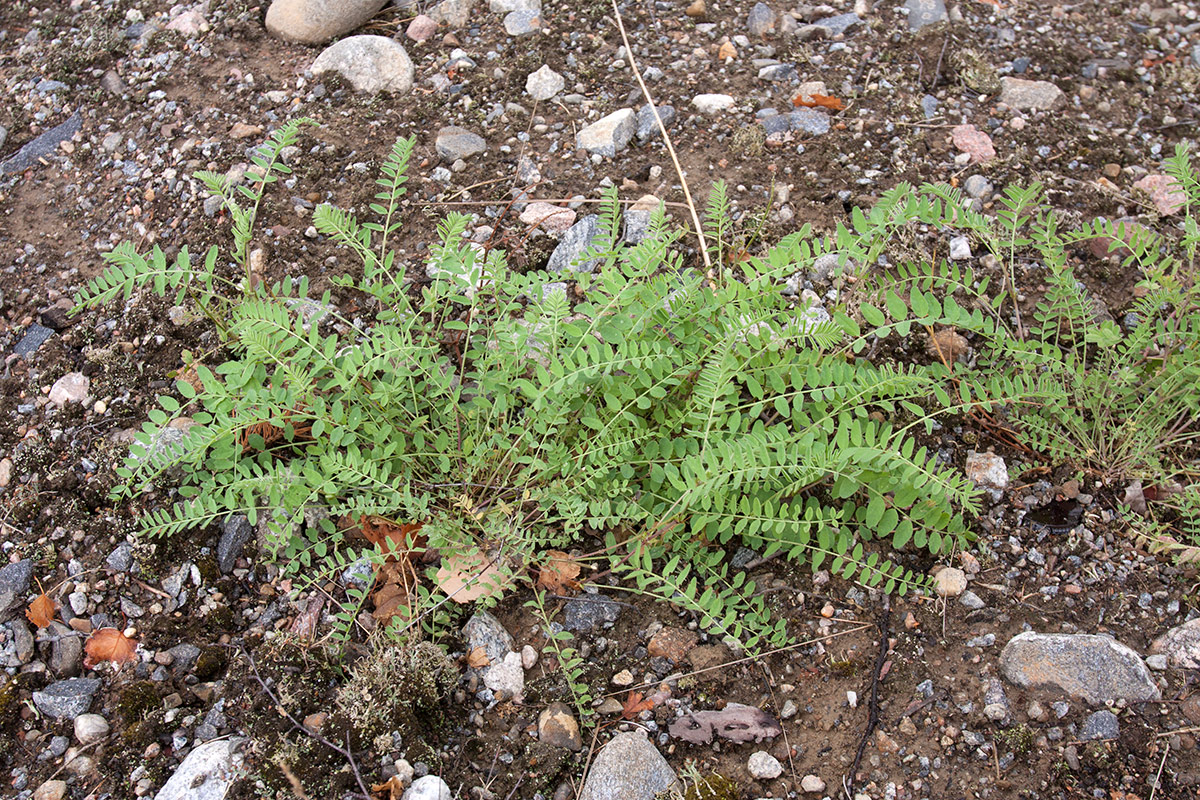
{"type": "Point", "coordinates": [987, 470]}
{"type": "Point", "coordinates": [1026, 95]}
{"type": "Point", "coordinates": [371, 64]}
{"type": "Point", "coordinates": [51, 790]}
{"type": "Point", "coordinates": [812, 784]}
{"type": "Point", "coordinates": [404, 770]}
{"type": "Point", "coordinates": [507, 676]}
{"type": "Point", "coordinates": [608, 135]}
{"type": "Point", "coordinates": [950, 582]}
{"type": "Point", "coordinates": [529, 657]}
{"type": "Point", "coordinates": [509, 6]}
{"type": "Point", "coordinates": [70, 388]}
{"type": "Point", "coordinates": [189, 23]}
{"type": "Point", "coordinates": [712, 103]}
{"type": "Point", "coordinates": [764, 766]}
{"type": "Point", "coordinates": [90, 728]}
{"type": "Point", "coordinates": [431, 787]}
{"type": "Point", "coordinates": [960, 248]}
{"type": "Point", "coordinates": [318, 21]}
{"type": "Point", "coordinates": [208, 772]}
{"type": "Point", "coordinates": [548, 217]}
{"type": "Point", "coordinates": [455, 13]}
{"type": "Point", "coordinates": [544, 83]}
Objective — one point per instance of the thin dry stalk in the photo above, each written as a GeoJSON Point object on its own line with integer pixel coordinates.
{"type": "Point", "coordinates": [666, 140]}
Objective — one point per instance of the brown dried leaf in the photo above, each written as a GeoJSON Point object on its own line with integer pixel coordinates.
{"type": "Point", "coordinates": [41, 611]}
{"type": "Point", "coordinates": [109, 644]}
{"type": "Point", "coordinates": [305, 624]}
{"type": "Point", "coordinates": [634, 705]}
{"type": "Point", "coordinates": [393, 540]}
{"type": "Point", "coordinates": [392, 790]}
{"type": "Point", "coordinates": [466, 577]}
{"type": "Point", "coordinates": [477, 658]}
{"type": "Point", "coordinates": [559, 572]}
{"type": "Point", "coordinates": [818, 101]}
{"type": "Point", "coordinates": [397, 583]}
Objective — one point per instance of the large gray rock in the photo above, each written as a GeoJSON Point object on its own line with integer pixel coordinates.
{"type": "Point", "coordinates": [503, 672]}
{"type": "Point", "coordinates": [841, 23]}
{"type": "Point", "coordinates": [235, 532]}
{"type": "Point", "coordinates": [587, 612]}
{"type": "Point", "coordinates": [371, 64]}
{"type": "Point", "coordinates": [761, 20]}
{"type": "Point", "coordinates": [1181, 645]}
{"type": "Point", "coordinates": [66, 649]}
{"type": "Point", "coordinates": [31, 154]}
{"type": "Point", "coordinates": [509, 6]}
{"type": "Point", "coordinates": [453, 143]}
{"type": "Point", "coordinates": [810, 121]}
{"type": "Point", "coordinates": [608, 135]}
{"type": "Point", "coordinates": [1026, 95]}
{"type": "Point", "coordinates": [924, 12]}
{"type": "Point", "coordinates": [523, 23]}
{"type": "Point", "coordinates": [485, 631]}
{"type": "Point", "coordinates": [1097, 669]}
{"type": "Point", "coordinates": [14, 586]}
{"type": "Point", "coordinates": [208, 772]}
{"type": "Point", "coordinates": [66, 699]}
{"type": "Point", "coordinates": [628, 768]}
{"type": "Point", "coordinates": [572, 245]}
{"type": "Point", "coordinates": [318, 21]}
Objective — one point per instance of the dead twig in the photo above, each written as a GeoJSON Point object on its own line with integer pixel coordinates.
{"type": "Point", "coordinates": [736, 661]}
{"type": "Point", "coordinates": [1158, 776]}
{"type": "Point", "coordinates": [343, 751]}
{"type": "Point", "coordinates": [885, 615]}
{"type": "Point", "coordinates": [1165, 734]}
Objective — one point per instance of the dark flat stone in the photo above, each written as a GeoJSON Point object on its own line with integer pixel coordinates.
{"type": "Point", "coordinates": [34, 338]}
{"type": "Point", "coordinates": [42, 146]}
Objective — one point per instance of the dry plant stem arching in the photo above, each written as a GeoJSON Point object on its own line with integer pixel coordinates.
{"type": "Point", "coordinates": [667, 141]}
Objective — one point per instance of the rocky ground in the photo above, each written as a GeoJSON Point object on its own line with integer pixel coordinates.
{"type": "Point", "coordinates": [1057, 661]}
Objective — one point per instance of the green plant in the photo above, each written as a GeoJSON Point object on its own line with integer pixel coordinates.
{"type": "Point", "coordinates": [677, 413]}
{"type": "Point", "coordinates": [570, 662]}
{"type": "Point", "coordinates": [1121, 402]}
{"type": "Point", "coordinates": [214, 294]}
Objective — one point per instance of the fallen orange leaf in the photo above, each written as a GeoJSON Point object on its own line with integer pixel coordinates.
{"type": "Point", "coordinates": [634, 705]}
{"type": "Point", "coordinates": [559, 572]}
{"type": "Point", "coordinates": [477, 658]}
{"type": "Point", "coordinates": [394, 788]}
{"type": "Point", "coordinates": [466, 577]}
{"type": "Point", "coordinates": [109, 644]}
{"type": "Point", "coordinates": [396, 582]}
{"type": "Point", "coordinates": [393, 540]}
{"type": "Point", "coordinates": [41, 611]}
{"type": "Point", "coordinates": [818, 100]}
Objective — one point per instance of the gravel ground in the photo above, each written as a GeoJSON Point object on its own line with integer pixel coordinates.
{"type": "Point", "coordinates": [1043, 669]}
